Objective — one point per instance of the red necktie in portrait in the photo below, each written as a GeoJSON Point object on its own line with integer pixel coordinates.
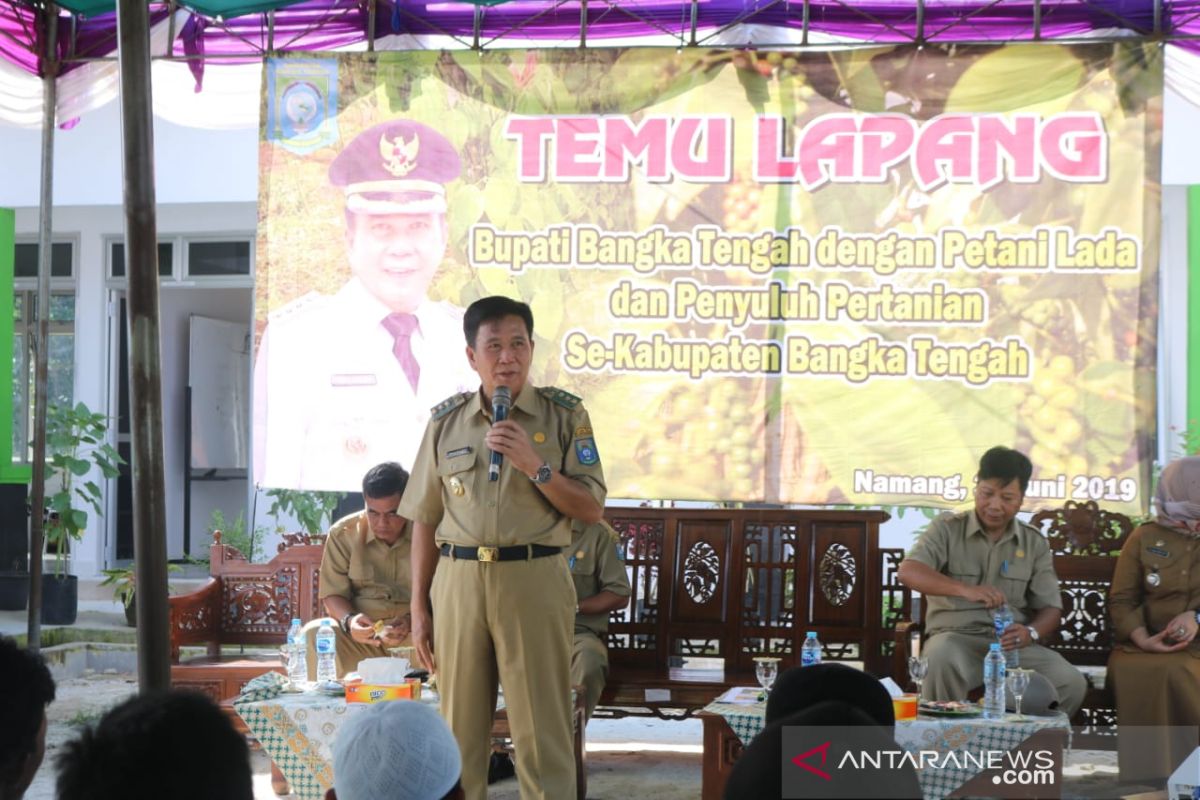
{"type": "Point", "coordinates": [401, 327]}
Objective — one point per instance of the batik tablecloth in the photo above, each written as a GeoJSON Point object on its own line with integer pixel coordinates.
{"type": "Point", "coordinates": [297, 730]}
{"type": "Point", "coordinates": [941, 734]}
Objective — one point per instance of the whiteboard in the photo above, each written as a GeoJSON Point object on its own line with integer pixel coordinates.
{"type": "Point", "coordinates": [218, 376]}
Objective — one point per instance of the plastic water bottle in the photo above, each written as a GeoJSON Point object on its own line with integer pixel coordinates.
{"type": "Point", "coordinates": [810, 651]}
{"type": "Point", "coordinates": [326, 652]}
{"type": "Point", "coordinates": [994, 673]}
{"type": "Point", "coordinates": [297, 654]}
{"type": "Point", "coordinates": [1002, 617]}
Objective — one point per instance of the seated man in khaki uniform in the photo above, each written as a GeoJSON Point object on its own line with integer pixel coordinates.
{"type": "Point", "coordinates": [601, 586]}
{"type": "Point", "coordinates": [366, 574]}
{"type": "Point", "coordinates": [968, 563]}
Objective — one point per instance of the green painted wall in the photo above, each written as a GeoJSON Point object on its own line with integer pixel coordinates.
{"type": "Point", "coordinates": [1193, 322]}
{"type": "Point", "coordinates": [8, 473]}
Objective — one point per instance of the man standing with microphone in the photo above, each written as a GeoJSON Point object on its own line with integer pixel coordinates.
{"type": "Point", "coordinates": [493, 602]}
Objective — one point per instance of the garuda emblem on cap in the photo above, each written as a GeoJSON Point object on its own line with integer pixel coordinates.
{"type": "Point", "coordinates": [399, 156]}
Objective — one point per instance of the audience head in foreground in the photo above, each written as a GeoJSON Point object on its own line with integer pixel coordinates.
{"type": "Point", "coordinates": [759, 773]}
{"type": "Point", "coordinates": [800, 688]}
{"type": "Point", "coordinates": [159, 744]}
{"type": "Point", "coordinates": [22, 717]}
{"type": "Point", "coordinates": [401, 750]}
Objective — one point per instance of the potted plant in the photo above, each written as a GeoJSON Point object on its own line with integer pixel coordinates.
{"type": "Point", "coordinates": [313, 511]}
{"type": "Point", "coordinates": [75, 445]}
{"type": "Point", "coordinates": [122, 581]}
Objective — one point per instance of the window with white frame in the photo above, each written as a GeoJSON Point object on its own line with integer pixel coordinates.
{"type": "Point", "coordinates": [208, 259]}
{"type": "Point", "coordinates": [218, 258]}
{"type": "Point", "coordinates": [61, 349]}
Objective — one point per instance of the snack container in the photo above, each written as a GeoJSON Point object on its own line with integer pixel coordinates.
{"type": "Point", "coordinates": [382, 692]}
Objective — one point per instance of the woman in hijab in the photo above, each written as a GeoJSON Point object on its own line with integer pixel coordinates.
{"type": "Point", "coordinates": [1154, 602]}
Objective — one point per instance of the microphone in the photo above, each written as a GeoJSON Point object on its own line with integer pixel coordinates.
{"type": "Point", "coordinates": [501, 403]}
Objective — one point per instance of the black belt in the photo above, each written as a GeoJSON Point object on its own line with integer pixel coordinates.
{"type": "Point", "coordinates": [519, 552]}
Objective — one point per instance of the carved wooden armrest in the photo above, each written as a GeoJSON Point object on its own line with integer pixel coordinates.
{"type": "Point", "coordinates": [195, 616]}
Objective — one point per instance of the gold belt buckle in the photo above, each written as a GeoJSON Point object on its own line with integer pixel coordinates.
{"type": "Point", "coordinates": [487, 554]}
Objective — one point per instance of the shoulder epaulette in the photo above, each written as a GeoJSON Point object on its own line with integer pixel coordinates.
{"type": "Point", "coordinates": [1031, 528]}
{"type": "Point", "coordinates": [449, 404]}
{"type": "Point", "coordinates": [559, 397]}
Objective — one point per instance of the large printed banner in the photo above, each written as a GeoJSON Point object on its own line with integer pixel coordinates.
{"type": "Point", "coordinates": [782, 277]}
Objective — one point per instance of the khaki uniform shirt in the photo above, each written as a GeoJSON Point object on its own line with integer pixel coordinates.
{"type": "Point", "coordinates": [330, 398]}
{"type": "Point", "coordinates": [1019, 564]}
{"type": "Point", "coordinates": [374, 576]}
{"type": "Point", "coordinates": [449, 486]}
{"type": "Point", "coordinates": [597, 565]}
{"type": "Point", "coordinates": [1133, 601]}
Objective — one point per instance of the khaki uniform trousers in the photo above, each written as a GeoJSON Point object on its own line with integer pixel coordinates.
{"type": "Point", "coordinates": [589, 667]}
{"type": "Point", "coordinates": [349, 652]}
{"type": "Point", "coordinates": [510, 623]}
{"type": "Point", "coordinates": [956, 667]}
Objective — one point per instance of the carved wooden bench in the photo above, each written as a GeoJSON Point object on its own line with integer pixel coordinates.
{"type": "Point", "coordinates": [713, 588]}
{"type": "Point", "coordinates": [243, 605]}
{"type": "Point", "coordinates": [1085, 540]}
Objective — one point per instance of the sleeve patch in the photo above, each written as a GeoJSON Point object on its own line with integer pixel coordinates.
{"type": "Point", "coordinates": [585, 450]}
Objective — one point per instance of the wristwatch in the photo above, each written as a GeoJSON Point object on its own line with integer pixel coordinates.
{"type": "Point", "coordinates": [1198, 617]}
{"type": "Point", "coordinates": [1033, 634]}
{"type": "Point", "coordinates": [543, 473]}
{"type": "Point", "coordinates": [344, 622]}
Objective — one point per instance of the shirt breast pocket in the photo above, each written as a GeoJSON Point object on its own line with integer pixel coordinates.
{"type": "Point", "coordinates": [1014, 578]}
{"type": "Point", "coordinates": [965, 572]}
{"type": "Point", "coordinates": [362, 579]}
{"type": "Point", "coordinates": [456, 474]}
{"type": "Point", "coordinates": [1156, 567]}
{"type": "Point", "coordinates": [581, 564]}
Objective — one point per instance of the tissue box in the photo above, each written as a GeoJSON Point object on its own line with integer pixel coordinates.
{"type": "Point", "coordinates": [381, 692]}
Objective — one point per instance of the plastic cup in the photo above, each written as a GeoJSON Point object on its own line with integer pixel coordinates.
{"type": "Point", "coordinates": [905, 707]}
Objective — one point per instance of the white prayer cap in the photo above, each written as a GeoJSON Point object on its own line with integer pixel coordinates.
{"type": "Point", "coordinates": [398, 750]}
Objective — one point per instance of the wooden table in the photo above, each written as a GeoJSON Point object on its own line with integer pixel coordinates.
{"type": "Point", "coordinates": [297, 731]}
{"type": "Point", "coordinates": [723, 745]}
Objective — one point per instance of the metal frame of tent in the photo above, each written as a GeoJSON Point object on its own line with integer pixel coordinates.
{"type": "Point", "coordinates": [252, 29]}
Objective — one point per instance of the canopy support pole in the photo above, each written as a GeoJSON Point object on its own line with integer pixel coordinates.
{"type": "Point", "coordinates": [171, 28]}
{"type": "Point", "coordinates": [920, 22]}
{"type": "Point", "coordinates": [371, 26]}
{"type": "Point", "coordinates": [41, 367]}
{"type": "Point", "coordinates": [1037, 20]}
{"type": "Point", "coordinates": [1157, 17]}
{"type": "Point", "coordinates": [804, 21]}
{"type": "Point", "coordinates": [695, 20]}
{"type": "Point", "coordinates": [583, 23]}
{"type": "Point", "coordinates": [476, 27]}
{"type": "Point", "coordinates": [145, 371]}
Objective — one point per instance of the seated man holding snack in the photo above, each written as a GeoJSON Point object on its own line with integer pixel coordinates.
{"type": "Point", "coordinates": [366, 576]}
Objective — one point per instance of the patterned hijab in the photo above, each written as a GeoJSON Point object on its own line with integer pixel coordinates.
{"type": "Point", "coordinates": [1178, 496]}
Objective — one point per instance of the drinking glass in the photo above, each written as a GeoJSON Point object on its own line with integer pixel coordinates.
{"type": "Point", "coordinates": [1018, 682]}
{"type": "Point", "coordinates": [766, 668]}
{"type": "Point", "coordinates": [918, 668]}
